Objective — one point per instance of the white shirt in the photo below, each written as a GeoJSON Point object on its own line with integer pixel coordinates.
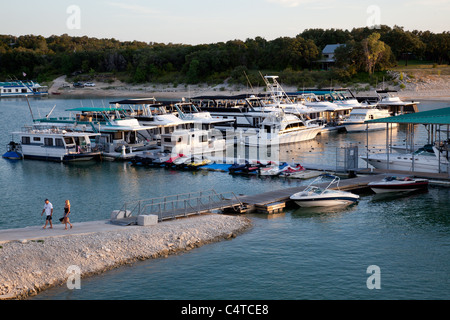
{"type": "Point", "coordinates": [48, 208]}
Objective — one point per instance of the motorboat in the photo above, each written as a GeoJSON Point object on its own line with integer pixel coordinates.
{"type": "Point", "coordinates": [398, 184]}
{"type": "Point", "coordinates": [390, 100]}
{"type": "Point", "coordinates": [52, 144]}
{"type": "Point", "coordinates": [316, 196]}
{"type": "Point", "coordinates": [420, 161]}
{"type": "Point", "coordinates": [255, 124]}
{"type": "Point", "coordinates": [356, 120]}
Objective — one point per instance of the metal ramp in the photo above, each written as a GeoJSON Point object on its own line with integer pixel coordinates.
{"type": "Point", "coordinates": [181, 205]}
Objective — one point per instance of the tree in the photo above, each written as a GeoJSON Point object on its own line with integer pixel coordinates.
{"type": "Point", "coordinates": [373, 50]}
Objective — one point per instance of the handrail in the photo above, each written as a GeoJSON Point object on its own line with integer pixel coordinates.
{"type": "Point", "coordinates": [183, 204]}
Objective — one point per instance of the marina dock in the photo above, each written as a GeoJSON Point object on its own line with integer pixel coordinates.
{"type": "Point", "coordinates": [268, 199]}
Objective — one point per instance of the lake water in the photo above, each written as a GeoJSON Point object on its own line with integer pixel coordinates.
{"type": "Point", "coordinates": [299, 254]}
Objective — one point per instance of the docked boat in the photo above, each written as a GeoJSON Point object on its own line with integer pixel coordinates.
{"type": "Point", "coordinates": [390, 100]}
{"type": "Point", "coordinates": [53, 144]}
{"type": "Point", "coordinates": [13, 151]}
{"type": "Point", "coordinates": [21, 88]}
{"type": "Point", "coordinates": [357, 117]}
{"type": "Point", "coordinates": [316, 196]}
{"type": "Point", "coordinates": [398, 184]}
{"type": "Point", "coordinates": [256, 124]}
{"type": "Point", "coordinates": [120, 135]}
{"type": "Point", "coordinates": [420, 161]}
{"type": "Point", "coordinates": [290, 170]}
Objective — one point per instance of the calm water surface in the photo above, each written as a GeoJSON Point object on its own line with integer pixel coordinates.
{"type": "Point", "coordinates": [300, 254]}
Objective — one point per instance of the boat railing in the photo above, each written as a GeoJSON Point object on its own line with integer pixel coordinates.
{"type": "Point", "coordinates": [180, 205]}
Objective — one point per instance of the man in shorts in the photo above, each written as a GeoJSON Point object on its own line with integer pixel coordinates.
{"type": "Point", "coordinates": [48, 209]}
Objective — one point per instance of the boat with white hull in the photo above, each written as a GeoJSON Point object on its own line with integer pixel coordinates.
{"type": "Point", "coordinates": [357, 117]}
{"type": "Point", "coordinates": [398, 184]}
{"type": "Point", "coordinates": [21, 88]}
{"type": "Point", "coordinates": [422, 161]}
{"type": "Point", "coordinates": [54, 144]}
{"type": "Point", "coordinates": [315, 196]}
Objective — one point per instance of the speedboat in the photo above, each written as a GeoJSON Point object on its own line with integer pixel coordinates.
{"type": "Point", "coordinates": [316, 196]}
{"type": "Point", "coordinates": [398, 184]}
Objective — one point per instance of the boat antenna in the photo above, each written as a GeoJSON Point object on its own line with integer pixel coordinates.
{"type": "Point", "coordinates": [248, 80]}
{"type": "Point", "coordinates": [50, 111]}
{"type": "Point", "coordinates": [32, 117]}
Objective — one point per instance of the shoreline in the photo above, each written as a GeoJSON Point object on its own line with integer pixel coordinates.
{"type": "Point", "coordinates": [435, 90]}
{"type": "Point", "coordinates": [25, 264]}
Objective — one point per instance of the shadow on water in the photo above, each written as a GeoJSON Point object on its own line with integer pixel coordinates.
{"type": "Point", "coordinates": [394, 196]}
{"type": "Point", "coordinates": [323, 212]}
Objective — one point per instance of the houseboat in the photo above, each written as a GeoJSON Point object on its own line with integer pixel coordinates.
{"type": "Point", "coordinates": [20, 88]}
{"type": "Point", "coordinates": [53, 144]}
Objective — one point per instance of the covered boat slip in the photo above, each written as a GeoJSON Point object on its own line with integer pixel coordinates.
{"type": "Point", "coordinates": [437, 124]}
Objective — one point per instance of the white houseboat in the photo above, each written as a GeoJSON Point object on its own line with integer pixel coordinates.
{"type": "Point", "coordinates": [53, 144]}
{"type": "Point", "coordinates": [20, 88]}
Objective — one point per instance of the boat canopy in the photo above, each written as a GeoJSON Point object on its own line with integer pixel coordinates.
{"type": "Point", "coordinates": [96, 109]}
{"type": "Point", "coordinates": [437, 116]}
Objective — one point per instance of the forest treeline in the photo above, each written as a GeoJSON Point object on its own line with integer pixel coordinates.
{"type": "Point", "coordinates": [366, 50]}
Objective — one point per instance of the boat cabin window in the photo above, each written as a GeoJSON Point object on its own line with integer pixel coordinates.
{"type": "Point", "coordinates": [170, 140]}
{"type": "Point", "coordinates": [26, 140]}
{"type": "Point", "coordinates": [68, 140]}
{"type": "Point", "coordinates": [36, 139]}
{"type": "Point", "coordinates": [203, 138]}
{"type": "Point", "coordinates": [294, 125]}
{"type": "Point", "coordinates": [48, 142]}
{"type": "Point", "coordinates": [59, 142]}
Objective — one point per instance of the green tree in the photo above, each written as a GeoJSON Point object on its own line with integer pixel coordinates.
{"type": "Point", "coordinates": [373, 50]}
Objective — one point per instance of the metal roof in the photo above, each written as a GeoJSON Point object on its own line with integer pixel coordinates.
{"type": "Point", "coordinates": [330, 48]}
{"type": "Point", "coordinates": [437, 116]}
{"type": "Point", "coordinates": [96, 109]}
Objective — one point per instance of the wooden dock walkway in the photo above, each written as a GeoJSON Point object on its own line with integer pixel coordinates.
{"type": "Point", "coordinates": [178, 206]}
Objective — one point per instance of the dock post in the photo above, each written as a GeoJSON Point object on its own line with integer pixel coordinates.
{"type": "Point", "coordinates": [387, 145]}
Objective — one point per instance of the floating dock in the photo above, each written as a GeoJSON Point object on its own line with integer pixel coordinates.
{"type": "Point", "coordinates": [271, 198]}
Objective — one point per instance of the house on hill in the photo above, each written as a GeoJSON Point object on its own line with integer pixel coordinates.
{"type": "Point", "coordinates": [328, 60]}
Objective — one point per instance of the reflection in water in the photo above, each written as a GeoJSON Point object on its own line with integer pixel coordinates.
{"type": "Point", "coordinates": [323, 213]}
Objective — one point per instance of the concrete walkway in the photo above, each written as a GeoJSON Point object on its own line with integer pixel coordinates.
{"type": "Point", "coordinates": [37, 233]}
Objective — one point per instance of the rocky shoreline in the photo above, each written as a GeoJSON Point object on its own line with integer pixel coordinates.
{"type": "Point", "coordinates": [29, 267]}
{"type": "Point", "coordinates": [418, 88]}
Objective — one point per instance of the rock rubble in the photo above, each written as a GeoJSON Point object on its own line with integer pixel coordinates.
{"type": "Point", "coordinates": [29, 267]}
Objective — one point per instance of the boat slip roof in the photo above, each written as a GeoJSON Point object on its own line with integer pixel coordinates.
{"type": "Point", "coordinates": [438, 116]}
{"type": "Point", "coordinates": [96, 109]}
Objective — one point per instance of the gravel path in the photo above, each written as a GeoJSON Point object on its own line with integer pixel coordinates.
{"type": "Point", "coordinates": [28, 267]}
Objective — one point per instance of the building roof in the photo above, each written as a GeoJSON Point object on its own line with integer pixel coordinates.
{"type": "Point", "coordinates": [437, 116]}
{"type": "Point", "coordinates": [329, 48]}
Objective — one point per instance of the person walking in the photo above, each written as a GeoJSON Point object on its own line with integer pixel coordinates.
{"type": "Point", "coordinates": [48, 209]}
{"type": "Point", "coordinates": [66, 219]}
